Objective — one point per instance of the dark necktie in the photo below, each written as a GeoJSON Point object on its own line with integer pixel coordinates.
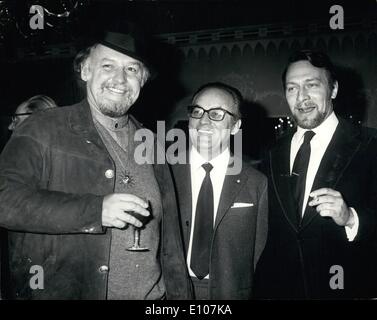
{"type": "Point", "coordinates": [203, 227]}
{"type": "Point", "coordinates": [299, 170]}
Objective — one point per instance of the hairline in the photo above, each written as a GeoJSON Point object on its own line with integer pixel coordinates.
{"type": "Point", "coordinates": [222, 87]}
{"type": "Point", "coordinates": [329, 79]}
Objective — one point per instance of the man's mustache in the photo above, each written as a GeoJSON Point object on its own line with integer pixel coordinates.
{"type": "Point", "coordinates": [305, 104]}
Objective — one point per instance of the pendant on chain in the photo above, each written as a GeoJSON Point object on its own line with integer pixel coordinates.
{"type": "Point", "coordinates": [126, 179]}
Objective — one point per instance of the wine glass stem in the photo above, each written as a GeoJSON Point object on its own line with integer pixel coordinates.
{"type": "Point", "coordinates": [136, 237]}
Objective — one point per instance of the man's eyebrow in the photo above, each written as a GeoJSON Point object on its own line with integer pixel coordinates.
{"type": "Point", "coordinates": [313, 79]}
{"type": "Point", "coordinates": [306, 80]}
{"type": "Point", "coordinates": [135, 62]}
{"type": "Point", "coordinates": [131, 63]}
{"type": "Point", "coordinates": [107, 59]}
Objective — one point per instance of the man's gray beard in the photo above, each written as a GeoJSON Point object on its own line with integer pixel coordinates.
{"type": "Point", "coordinates": [115, 110]}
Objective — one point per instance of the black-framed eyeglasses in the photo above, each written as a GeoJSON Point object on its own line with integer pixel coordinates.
{"type": "Point", "coordinates": [215, 114]}
{"type": "Point", "coordinates": [15, 115]}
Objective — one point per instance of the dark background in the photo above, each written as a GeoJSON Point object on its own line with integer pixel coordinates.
{"type": "Point", "coordinates": [40, 61]}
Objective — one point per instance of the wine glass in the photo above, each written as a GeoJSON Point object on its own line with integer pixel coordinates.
{"type": "Point", "coordinates": [136, 245]}
{"type": "Point", "coordinates": [137, 230]}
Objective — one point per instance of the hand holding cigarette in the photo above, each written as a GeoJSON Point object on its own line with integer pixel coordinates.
{"type": "Point", "coordinates": [330, 203]}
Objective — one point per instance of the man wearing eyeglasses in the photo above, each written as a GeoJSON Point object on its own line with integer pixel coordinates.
{"type": "Point", "coordinates": [18, 117]}
{"type": "Point", "coordinates": [223, 215]}
{"type": "Point", "coordinates": [26, 108]}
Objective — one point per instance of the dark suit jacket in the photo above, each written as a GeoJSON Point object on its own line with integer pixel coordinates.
{"type": "Point", "coordinates": [296, 261]}
{"type": "Point", "coordinates": [239, 233]}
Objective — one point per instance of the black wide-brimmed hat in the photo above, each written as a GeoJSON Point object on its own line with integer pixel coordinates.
{"type": "Point", "coordinates": [131, 45]}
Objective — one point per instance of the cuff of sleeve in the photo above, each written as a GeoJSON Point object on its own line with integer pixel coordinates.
{"type": "Point", "coordinates": [352, 232]}
{"type": "Point", "coordinates": [93, 223]}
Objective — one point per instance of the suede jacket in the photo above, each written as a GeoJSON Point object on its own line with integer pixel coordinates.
{"type": "Point", "coordinates": [54, 173]}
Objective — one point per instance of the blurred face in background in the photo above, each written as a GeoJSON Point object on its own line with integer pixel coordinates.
{"type": "Point", "coordinates": [22, 113]}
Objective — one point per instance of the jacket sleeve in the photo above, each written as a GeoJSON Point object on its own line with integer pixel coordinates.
{"type": "Point", "coordinates": [366, 208]}
{"type": "Point", "coordinates": [262, 221]}
{"type": "Point", "coordinates": [26, 203]}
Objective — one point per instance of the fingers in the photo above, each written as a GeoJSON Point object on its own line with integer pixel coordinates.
{"type": "Point", "coordinates": [133, 207]}
{"type": "Point", "coordinates": [119, 219]}
{"type": "Point", "coordinates": [126, 202]}
{"type": "Point", "coordinates": [332, 210]}
{"type": "Point", "coordinates": [126, 197]}
{"type": "Point", "coordinates": [326, 205]}
{"type": "Point", "coordinates": [324, 191]}
{"type": "Point", "coordinates": [127, 218]}
{"type": "Point", "coordinates": [326, 210]}
{"type": "Point", "coordinates": [330, 203]}
{"type": "Point", "coordinates": [326, 213]}
{"type": "Point", "coordinates": [118, 224]}
{"type": "Point", "coordinates": [322, 199]}
{"type": "Point", "coordinates": [118, 209]}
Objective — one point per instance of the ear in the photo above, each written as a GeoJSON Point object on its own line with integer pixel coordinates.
{"type": "Point", "coordinates": [335, 90]}
{"type": "Point", "coordinates": [85, 70]}
{"type": "Point", "coordinates": [236, 127]}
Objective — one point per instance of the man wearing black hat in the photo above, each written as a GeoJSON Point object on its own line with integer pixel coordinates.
{"type": "Point", "coordinates": [69, 182]}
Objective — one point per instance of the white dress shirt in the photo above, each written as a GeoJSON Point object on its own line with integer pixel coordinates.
{"type": "Point", "coordinates": [318, 144]}
{"type": "Point", "coordinates": [217, 174]}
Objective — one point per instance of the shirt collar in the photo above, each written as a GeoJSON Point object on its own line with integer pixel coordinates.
{"type": "Point", "coordinates": [109, 123]}
{"type": "Point", "coordinates": [325, 129]}
{"type": "Point", "coordinates": [196, 160]}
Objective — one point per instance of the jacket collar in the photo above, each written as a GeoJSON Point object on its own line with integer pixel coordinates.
{"type": "Point", "coordinates": [80, 120]}
{"type": "Point", "coordinates": [341, 150]}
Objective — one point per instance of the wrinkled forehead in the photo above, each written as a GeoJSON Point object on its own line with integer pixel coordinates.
{"type": "Point", "coordinates": [214, 97]}
{"type": "Point", "coordinates": [101, 52]}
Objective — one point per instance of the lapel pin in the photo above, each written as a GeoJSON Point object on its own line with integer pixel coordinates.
{"type": "Point", "coordinates": [238, 180]}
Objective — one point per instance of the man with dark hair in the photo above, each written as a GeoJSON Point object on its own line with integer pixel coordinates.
{"type": "Point", "coordinates": [70, 186]}
{"type": "Point", "coordinates": [322, 196]}
{"type": "Point", "coordinates": [223, 211]}
{"type": "Point", "coordinates": [317, 59]}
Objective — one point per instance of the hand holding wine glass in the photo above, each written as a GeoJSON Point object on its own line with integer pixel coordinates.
{"type": "Point", "coordinates": [116, 209]}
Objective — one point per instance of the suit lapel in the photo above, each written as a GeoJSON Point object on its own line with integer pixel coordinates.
{"type": "Point", "coordinates": [339, 153]}
{"type": "Point", "coordinates": [231, 187]}
{"type": "Point", "coordinates": [183, 183]}
{"type": "Point", "coordinates": [281, 179]}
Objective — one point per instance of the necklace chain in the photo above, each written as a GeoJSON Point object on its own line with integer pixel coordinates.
{"type": "Point", "coordinates": [125, 176]}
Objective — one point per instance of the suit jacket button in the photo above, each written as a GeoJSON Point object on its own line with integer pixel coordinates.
{"type": "Point", "coordinates": [103, 269]}
{"type": "Point", "coordinates": [109, 174]}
